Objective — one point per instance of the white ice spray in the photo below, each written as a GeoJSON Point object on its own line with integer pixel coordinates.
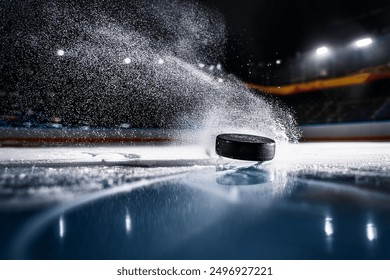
{"type": "Point", "coordinates": [143, 63]}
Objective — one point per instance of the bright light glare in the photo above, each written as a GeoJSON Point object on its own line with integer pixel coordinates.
{"type": "Point", "coordinates": [328, 226]}
{"type": "Point", "coordinates": [371, 231]}
{"type": "Point", "coordinates": [128, 222]}
{"type": "Point", "coordinates": [219, 66]}
{"type": "Point", "coordinates": [220, 80]}
{"type": "Point", "coordinates": [160, 61]}
{"type": "Point", "coordinates": [60, 52]}
{"type": "Point", "coordinates": [127, 60]}
{"type": "Point", "coordinates": [361, 43]}
{"type": "Point", "coordinates": [61, 227]}
{"type": "Point", "coordinates": [201, 65]}
{"type": "Point", "coordinates": [278, 61]}
{"type": "Point", "coordinates": [322, 51]}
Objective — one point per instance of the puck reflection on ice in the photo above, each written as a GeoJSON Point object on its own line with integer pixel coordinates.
{"type": "Point", "coordinates": [245, 176]}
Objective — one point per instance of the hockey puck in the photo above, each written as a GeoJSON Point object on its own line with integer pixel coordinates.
{"type": "Point", "coordinates": [245, 147]}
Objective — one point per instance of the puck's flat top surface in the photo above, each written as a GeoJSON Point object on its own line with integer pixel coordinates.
{"type": "Point", "coordinates": [245, 147]}
{"type": "Point", "coordinates": [246, 138]}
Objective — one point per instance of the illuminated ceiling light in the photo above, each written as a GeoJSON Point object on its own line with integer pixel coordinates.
{"type": "Point", "coordinates": [220, 80]}
{"type": "Point", "coordinates": [160, 61]}
{"type": "Point", "coordinates": [60, 52]}
{"type": "Point", "coordinates": [278, 61]}
{"type": "Point", "coordinates": [364, 42]}
{"type": "Point", "coordinates": [127, 60]}
{"type": "Point", "coordinates": [201, 65]}
{"type": "Point", "coordinates": [321, 51]}
{"type": "Point", "coordinates": [211, 68]}
{"type": "Point", "coordinates": [219, 66]}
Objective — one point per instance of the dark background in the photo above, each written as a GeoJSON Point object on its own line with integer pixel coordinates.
{"type": "Point", "coordinates": [263, 31]}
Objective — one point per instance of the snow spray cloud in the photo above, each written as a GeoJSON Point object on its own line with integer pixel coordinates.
{"type": "Point", "coordinates": [146, 63]}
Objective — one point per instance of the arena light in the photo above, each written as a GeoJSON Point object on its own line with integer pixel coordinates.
{"type": "Point", "coordinates": [127, 60]}
{"type": "Point", "coordinates": [322, 51]}
{"type": "Point", "coordinates": [278, 61]}
{"type": "Point", "coordinates": [60, 52]}
{"type": "Point", "coordinates": [364, 42]}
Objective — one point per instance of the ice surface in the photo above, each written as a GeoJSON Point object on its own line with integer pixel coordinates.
{"type": "Point", "coordinates": [158, 201]}
{"type": "Point", "coordinates": [98, 154]}
{"type": "Point", "coordinates": [41, 175]}
{"type": "Point", "coordinates": [334, 157]}
{"type": "Point", "coordinates": [34, 176]}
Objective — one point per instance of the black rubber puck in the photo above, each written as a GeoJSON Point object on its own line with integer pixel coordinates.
{"type": "Point", "coordinates": [245, 147]}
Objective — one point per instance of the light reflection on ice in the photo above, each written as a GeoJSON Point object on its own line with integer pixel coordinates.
{"type": "Point", "coordinates": [328, 226]}
{"type": "Point", "coordinates": [371, 231]}
{"type": "Point", "coordinates": [127, 222]}
{"type": "Point", "coordinates": [35, 225]}
{"type": "Point", "coordinates": [61, 227]}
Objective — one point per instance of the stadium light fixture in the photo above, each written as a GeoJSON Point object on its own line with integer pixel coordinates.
{"type": "Point", "coordinates": [364, 42]}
